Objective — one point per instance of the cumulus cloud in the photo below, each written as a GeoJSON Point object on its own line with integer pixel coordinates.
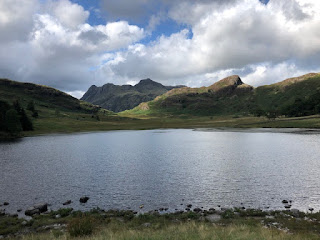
{"type": "Point", "coordinates": [227, 36]}
{"type": "Point", "coordinates": [51, 42]}
{"type": "Point", "coordinates": [16, 19]}
{"type": "Point", "coordinates": [69, 14]}
{"type": "Point", "coordinates": [60, 49]}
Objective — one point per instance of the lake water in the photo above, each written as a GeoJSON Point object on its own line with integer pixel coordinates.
{"type": "Point", "coordinates": [159, 168]}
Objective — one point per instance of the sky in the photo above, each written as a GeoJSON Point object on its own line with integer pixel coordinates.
{"type": "Point", "coordinates": [73, 44]}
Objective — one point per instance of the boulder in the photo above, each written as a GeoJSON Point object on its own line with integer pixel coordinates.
{"type": "Point", "coordinates": [67, 202]}
{"type": "Point", "coordinates": [197, 210]}
{"type": "Point", "coordinates": [36, 209]}
{"type": "Point", "coordinates": [43, 207]}
{"type": "Point", "coordinates": [213, 218]}
{"type": "Point", "coordinates": [84, 199]}
{"type": "Point", "coordinates": [32, 211]}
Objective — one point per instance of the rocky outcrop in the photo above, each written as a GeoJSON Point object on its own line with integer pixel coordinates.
{"type": "Point", "coordinates": [119, 98]}
{"type": "Point", "coordinates": [36, 209]}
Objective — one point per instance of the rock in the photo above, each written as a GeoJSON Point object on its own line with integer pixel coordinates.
{"type": "Point", "coordinates": [212, 210]}
{"type": "Point", "coordinates": [24, 223]}
{"type": "Point", "coordinates": [213, 218]}
{"type": "Point", "coordinates": [67, 202]}
{"type": "Point", "coordinates": [2, 212]}
{"type": "Point", "coordinates": [285, 201]}
{"type": "Point", "coordinates": [32, 211]}
{"type": "Point", "coordinates": [141, 206]}
{"type": "Point", "coordinates": [43, 207]}
{"type": "Point", "coordinates": [58, 216]}
{"type": "Point", "coordinates": [37, 209]}
{"type": "Point", "coordinates": [146, 224]}
{"type": "Point", "coordinates": [5, 204]}
{"type": "Point", "coordinates": [197, 210]}
{"type": "Point", "coordinates": [295, 212]}
{"type": "Point", "coordinates": [84, 199]}
{"type": "Point", "coordinates": [269, 217]}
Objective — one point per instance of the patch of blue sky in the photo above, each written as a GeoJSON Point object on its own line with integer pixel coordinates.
{"type": "Point", "coordinates": [93, 7]}
{"type": "Point", "coordinates": [166, 28]}
{"type": "Point", "coordinates": [264, 1]}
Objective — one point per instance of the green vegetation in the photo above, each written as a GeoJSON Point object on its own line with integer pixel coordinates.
{"type": "Point", "coordinates": [13, 119]}
{"type": "Point", "coordinates": [292, 103]}
{"type": "Point", "coordinates": [114, 224]}
{"type": "Point", "coordinates": [291, 98]}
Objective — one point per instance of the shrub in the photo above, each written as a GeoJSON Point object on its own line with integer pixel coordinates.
{"type": "Point", "coordinates": [81, 226]}
{"type": "Point", "coordinates": [228, 214]}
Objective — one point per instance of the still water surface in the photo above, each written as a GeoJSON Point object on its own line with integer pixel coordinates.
{"type": "Point", "coordinates": [159, 168]}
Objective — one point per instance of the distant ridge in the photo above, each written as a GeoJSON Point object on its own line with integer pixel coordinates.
{"type": "Point", "coordinates": [118, 98]}
{"type": "Point", "coordinates": [298, 96]}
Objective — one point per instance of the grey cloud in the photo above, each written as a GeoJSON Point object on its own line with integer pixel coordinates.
{"type": "Point", "coordinates": [16, 20]}
{"type": "Point", "coordinates": [142, 10]}
{"type": "Point", "coordinates": [93, 36]}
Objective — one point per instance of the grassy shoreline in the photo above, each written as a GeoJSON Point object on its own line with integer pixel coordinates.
{"type": "Point", "coordinates": [116, 224]}
{"type": "Point", "coordinates": [74, 124]}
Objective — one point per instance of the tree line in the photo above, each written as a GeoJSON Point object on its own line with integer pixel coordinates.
{"type": "Point", "coordinates": [14, 119]}
{"type": "Point", "coordinates": [298, 108]}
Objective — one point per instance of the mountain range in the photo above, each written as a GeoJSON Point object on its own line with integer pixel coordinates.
{"type": "Point", "coordinates": [118, 98]}
{"type": "Point", "coordinates": [297, 96]}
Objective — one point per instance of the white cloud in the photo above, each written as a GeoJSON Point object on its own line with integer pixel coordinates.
{"type": "Point", "coordinates": [16, 19]}
{"type": "Point", "coordinates": [55, 45]}
{"type": "Point", "coordinates": [230, 36]}
{"type": "Point", "coordinates": [69, 14]}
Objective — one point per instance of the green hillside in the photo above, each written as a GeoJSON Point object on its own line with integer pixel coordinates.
{"type": "Point", "coordinates": [51, 110]}
{"type": "Point", "coordinates": [230, 96]}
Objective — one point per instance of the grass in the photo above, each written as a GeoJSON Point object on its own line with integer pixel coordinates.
{"type": "Point", "coordinates": [185, 230]}
{"type": "Point", "coordinates": [85, 123]}
{"type": "Point", "coordinates": [114, 224]}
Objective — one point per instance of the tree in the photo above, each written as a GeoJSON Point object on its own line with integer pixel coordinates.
{"type": "Point", "coordinates": [4, 107]}
{"type": "Point", "coordinates": [17, 106]}
{"type": "Point", "coordinates": [30, 106]}
{"type": "Point", "coordinates": [25, 121]}
{"type": "Point", "coordinates": [13, 122]}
